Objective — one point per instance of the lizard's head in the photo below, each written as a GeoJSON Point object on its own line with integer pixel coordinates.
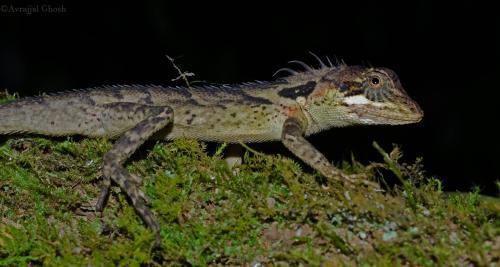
{"type": "Point", "coordinates": [365, 96]}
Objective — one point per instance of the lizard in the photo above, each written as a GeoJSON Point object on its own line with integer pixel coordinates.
{"type": "Point", "coordinates": [289, 109]}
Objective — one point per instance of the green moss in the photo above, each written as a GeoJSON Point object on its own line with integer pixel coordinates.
{"type": "Point", "coordinates": [270, 212]}
{"type": "Point", "coordinates": [6, 97]}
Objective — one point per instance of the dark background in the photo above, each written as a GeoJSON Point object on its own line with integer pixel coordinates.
{"type": "Point", "coordinates": [447, 56]}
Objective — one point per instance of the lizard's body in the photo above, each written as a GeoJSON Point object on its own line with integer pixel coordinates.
{"type": "Point", "coordinates": [229, 114]}
{"type": "Point", "coordinates": [286, 109]}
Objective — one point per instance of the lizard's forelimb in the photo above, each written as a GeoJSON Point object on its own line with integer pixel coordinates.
{"type": "Point", "coordinates": [292, 137]}
{"type": "Point", "coordinates": [121, 151]}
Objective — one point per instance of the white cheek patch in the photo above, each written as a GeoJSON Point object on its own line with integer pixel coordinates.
{"type": "Point", "coordinates": [356, 100]}
{"type": "Point", "coordinates": [361, 100]}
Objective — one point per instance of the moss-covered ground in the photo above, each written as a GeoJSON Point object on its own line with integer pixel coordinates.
{"type": "Point", "coordinates": [269, 211]}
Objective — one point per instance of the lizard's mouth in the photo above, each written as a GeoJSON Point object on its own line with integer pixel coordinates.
{"type": "Point", "coordinates": [409, 114]}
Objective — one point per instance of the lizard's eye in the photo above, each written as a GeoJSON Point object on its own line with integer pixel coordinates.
{"type": "Point", "coordinates": [375, 82]}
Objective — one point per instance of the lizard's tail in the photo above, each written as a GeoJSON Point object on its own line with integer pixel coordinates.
{"type": "Point", "coordinates": [41, 115]}
{"type": "Point", "coordinates": [20, 117]}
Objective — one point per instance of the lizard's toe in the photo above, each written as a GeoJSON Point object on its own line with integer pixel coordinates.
{"type": "Point", "coordinates": [145, 198]}
{"type": "Point", "coordinates": [104, 194]}
{"type": "Point", "coordinates": [135, 179]}
{"type": "Point", "coordinates": [353, 180]}
{"type": "Point", "coordinates": [362, 179]}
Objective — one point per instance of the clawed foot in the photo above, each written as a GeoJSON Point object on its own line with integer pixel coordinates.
{"type": "Point", "coordinates": [354, 180]}
{"type": "Point", "coordinates": [102, 200]}
{"type": "Point", "coordinates": [362, 179]}
{"type": "Point", "coordinates": [106, 186]}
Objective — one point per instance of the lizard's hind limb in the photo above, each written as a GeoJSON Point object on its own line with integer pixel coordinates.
{"type": "Point", "coordinates": [122, 149]}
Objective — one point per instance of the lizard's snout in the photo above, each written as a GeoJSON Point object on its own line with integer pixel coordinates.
{"type": "Point", "coordinates": [417, 111]}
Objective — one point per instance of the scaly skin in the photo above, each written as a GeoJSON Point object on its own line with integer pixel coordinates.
{"type": "Point", "coordinates": [287, 109]}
